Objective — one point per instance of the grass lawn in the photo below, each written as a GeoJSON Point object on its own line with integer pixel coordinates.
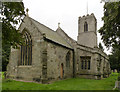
{"type": "Point", "coordinates": [68, 84]}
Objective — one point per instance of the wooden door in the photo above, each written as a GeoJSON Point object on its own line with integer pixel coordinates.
{"type": "Point", "coordinates": [61, 71]}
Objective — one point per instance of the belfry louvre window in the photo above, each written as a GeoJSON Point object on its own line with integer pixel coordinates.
{"type": "Point", "coordinates": [26, 50]}
{"type": "Point", "coordinates": [85, 27]}
{"type": "Point", "coordinates": [85, 62]}
{"type": "Point", "coordinates": [68, 58]}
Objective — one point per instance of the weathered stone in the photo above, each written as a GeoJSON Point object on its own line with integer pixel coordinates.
{"type": "Point", "coordinates": [57, 56]}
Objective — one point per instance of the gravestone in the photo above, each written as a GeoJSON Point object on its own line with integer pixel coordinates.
{"type": "Point", "coordinates": [115, 70]}
{"type": "Point", "coordinates": [117, 85]}
{"type": "Point", "coordinates": [112, 71]}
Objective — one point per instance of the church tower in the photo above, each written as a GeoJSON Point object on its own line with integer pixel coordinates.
{"type": "Point", "coordinates": [87, 35]}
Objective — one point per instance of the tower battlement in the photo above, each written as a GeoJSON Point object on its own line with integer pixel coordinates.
{"type": "Point", "coordinates": [87, 26]}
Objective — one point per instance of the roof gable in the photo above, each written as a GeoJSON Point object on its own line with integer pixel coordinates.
{"type": "Point", "coordinates": [66, 37]}
{"type": "Point", "coordinates": [50, 34]}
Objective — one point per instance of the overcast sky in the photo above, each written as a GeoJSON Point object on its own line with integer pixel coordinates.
{"type": "Point", "coordinates": [50, 12]}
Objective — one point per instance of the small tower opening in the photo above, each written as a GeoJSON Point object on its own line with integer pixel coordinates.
{"type": "Point", "coordinates": [85, 26]}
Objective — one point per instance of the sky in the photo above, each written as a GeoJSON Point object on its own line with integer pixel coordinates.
{"type": "Point", "coordinates": [65, 12]}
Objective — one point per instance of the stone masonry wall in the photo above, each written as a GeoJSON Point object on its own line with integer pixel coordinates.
{"type": "Point", "coordinates": [56, 55]}
{"type": "Point", "coordinates": [88, 38]}
{"type": "Point", "coordinates": [85, 73]}
{"type": "Point", "coordinates": [28, 72]}
{"type": "Point", "coordinates": [99, 65]}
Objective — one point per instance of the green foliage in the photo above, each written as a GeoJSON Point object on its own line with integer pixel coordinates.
{"type": "Point", "coordinates": [111, 29]}
{"type": "Point", "coordinates": [119, 77]}
{"type": "Point", "coordinates": [101, 47]}
{"type": "Point", "coordinates": [13, 13]}
{"type": "Point", "coordinates": [2, 74]}
{"type": "Point", "coordinates": [113, 62]}
{"type": "Point", "coordinates": [68, 84]}
{"type": "Point", "coordinates": [5, 56]}
{"type": "Point", "coordinates": [115, 59]}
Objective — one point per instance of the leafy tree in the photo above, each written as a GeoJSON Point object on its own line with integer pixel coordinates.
{"type": "Point", "coordinates": [101, 47]}
{"type": "Point", "coordinates": [114, 59]}
{"type": "Point", "coordinates": [111, 31]}
{"type": "Point", "coordinates": [13, 13]}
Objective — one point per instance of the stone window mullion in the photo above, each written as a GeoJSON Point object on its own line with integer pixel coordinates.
{"type": "Point", "coordinates": [26, 50]}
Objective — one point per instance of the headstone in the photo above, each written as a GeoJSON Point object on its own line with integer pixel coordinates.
{"type": "Point", "coordinates": [116, 85]}
{"type": "Point", "coordinates": [112, 71]}
{"type": "Point", "coordinates": [115, 70]}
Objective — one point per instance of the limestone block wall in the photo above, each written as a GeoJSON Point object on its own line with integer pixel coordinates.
{"type": "Point", "coordinates": [99, 65]}
{"type": "Point", "coordinates": [66, 37]}
{"type": "Point", "coordinates": [33, 72]}
{"type": "Point", "coordinates": [106, 68]}
{"type": "Point", "coordinates": [86, 73]}
{"type": "Point", "coordinates": [12, 66]}
{"type": "Point", "coordinates": [103, 65]}
{"type": "Point", "coordinates": [92, 23]}
{"type": "Point", "coordinates": [56, 56]}
{"type": "Point", "coordinates": [28, 72]}
{"type": "Point", "coordinates": [88, 39]}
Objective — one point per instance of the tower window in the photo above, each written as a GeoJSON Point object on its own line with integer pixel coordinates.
{"type": "Point", "coordinates": [26, 50]}
{"type": "Point", "coordinates": [85, 27]}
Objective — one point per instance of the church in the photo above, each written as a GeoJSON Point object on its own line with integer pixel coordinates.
{"type": "Point", "coordinates": [49, 55]}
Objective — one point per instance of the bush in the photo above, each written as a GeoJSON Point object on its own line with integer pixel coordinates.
{"type": "Point", "coordinates": [119, 77]}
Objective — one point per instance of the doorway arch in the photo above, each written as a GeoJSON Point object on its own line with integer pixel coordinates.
{"type": "Point", "coordinates": [61, 71]}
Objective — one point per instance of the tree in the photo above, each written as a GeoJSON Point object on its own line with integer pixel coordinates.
{"type": "Point", "coordinates": [101, 47]}
{"type": "Point", "coordinates": [13, 13]}
{"type": "Point", "coordinates": [111, 29]}
{"type": "Point", "coordinates": [114, 59]}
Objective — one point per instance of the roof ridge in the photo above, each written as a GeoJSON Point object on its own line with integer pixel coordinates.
{"type": "Point", "coordinates": [49, 33]}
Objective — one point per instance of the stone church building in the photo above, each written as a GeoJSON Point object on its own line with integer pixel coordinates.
{"type": "Point", "coordinates": [49, 55]}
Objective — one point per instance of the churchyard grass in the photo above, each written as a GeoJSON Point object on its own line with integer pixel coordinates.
{"type": "Point", "coordinates": [2, 74]}
{"type": "Point", "coordinates": [68, 84]}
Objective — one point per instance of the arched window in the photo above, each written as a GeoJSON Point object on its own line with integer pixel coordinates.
{"type": "Point", "coordinates": [85, 27]}
{"type": "Point", "coordinates": [26, 50]}
{"type": "Point", "coordinates": [68, 58]}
